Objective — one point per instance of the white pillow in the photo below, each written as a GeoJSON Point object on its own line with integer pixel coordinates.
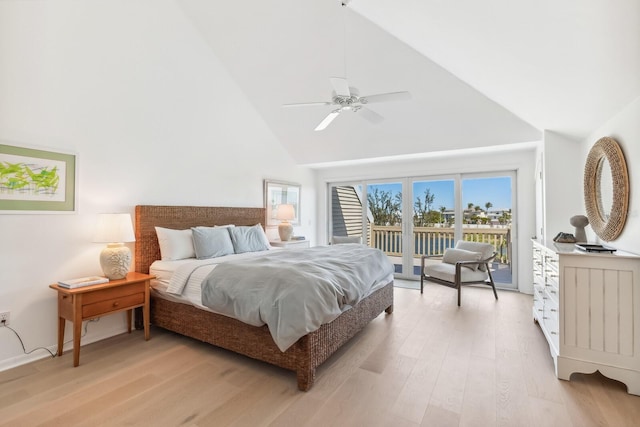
{"type": "Point", "coordinates": [451, 256]}
{"type": "Point", "coordinates": [175, 244]}
{"type": "Point", "coordinates": [249, 239]}
{"type": "Point", "coordinates": [211, 242]}
{"type": "Point", "coordinates": [485, 249]}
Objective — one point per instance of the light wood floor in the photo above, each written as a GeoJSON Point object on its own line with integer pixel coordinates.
{"type": "Point", "coordinates": [430, 363]}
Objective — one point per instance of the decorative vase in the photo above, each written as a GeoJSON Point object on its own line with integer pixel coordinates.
{"type": "Point", "coordinates": [580, 222]}
{"type": "Point", "coordinates": [285, 230]}
{"type": "Point", "coordinates": [115, 261]}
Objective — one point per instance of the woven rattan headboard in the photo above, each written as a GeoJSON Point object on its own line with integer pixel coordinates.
{"type": "Point", "coordinates": [179, 218]}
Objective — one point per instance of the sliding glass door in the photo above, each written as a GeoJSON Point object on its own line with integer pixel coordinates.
{"type": "Point", "coordinates": [384, 202]}
{"type": "Point", "coordinates": [433, 228]}
{"type": "Point", "coordinates": [372, 211]}
{"type": "Point", "coordinates": [412, 217]}
{"type": "Point", "coordinates": [488, 215]}
{"type": "Point", "coordinates": [347, 209]}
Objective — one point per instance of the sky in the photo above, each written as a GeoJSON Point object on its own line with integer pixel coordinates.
{"type": "Point", "coordinates": [478, 191]}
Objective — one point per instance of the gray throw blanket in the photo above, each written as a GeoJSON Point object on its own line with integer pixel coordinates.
{"type": "Point", "coordinates": [294, 292]}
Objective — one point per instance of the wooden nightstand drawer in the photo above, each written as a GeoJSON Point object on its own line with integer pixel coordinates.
{"type": "Point", "coordinates": [111, 305]}
{"type": "Point", "coordinates": [113, 293]}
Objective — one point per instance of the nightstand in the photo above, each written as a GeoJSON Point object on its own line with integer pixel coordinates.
{"type": "Point", "coordinates": [89, 302]}
{"type": "Point", "coordinates": [291, 244]}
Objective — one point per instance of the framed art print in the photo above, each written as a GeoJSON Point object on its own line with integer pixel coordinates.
{"type": "Point", "coordinates": [278, 193]}
{"type": "Point", "coordinates": [36, 181]}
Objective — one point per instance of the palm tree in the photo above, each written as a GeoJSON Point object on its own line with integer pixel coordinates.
{"type": "Point", "coordinates": [469, 206]}
{"type": "Point", "coordinates": [488, 205]}
{"type": "Point", "coordinates": [422, 208]}
{"type": "Point", "coordinates": [442, 209]}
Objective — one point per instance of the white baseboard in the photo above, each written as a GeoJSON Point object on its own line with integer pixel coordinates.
{"type": "Point", "coordinates": [24, 359]}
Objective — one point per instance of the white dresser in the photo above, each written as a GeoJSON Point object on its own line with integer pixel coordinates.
{"type": "Point", "coordinates": [588, 306]}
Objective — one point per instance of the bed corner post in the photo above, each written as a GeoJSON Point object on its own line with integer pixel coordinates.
{"type": "Point", "coordinates": [306, 378]}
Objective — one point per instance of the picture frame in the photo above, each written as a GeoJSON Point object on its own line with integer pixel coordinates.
{"type": "Point", "coordinates": [281, 192]}
{"type": "Point", "coordinates": [36, 181]}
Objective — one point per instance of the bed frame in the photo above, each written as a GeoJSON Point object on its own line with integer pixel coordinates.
{"type": "Point", "coordinates": [303, 357]}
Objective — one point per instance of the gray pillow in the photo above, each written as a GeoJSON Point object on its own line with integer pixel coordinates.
{"type": "Point", "coordinates": [451, 256]}
{"type": "Point", "coordinates": [248, 239]}
{"type": "Point", "coordinates": [211, 242]}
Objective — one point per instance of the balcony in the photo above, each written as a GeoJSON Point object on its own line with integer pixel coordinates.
{"type": "Point", "coordinates": [434, 241]}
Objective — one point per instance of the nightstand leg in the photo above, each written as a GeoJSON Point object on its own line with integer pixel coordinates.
{"type": "Point", "coordinates": [77, 329]}
{"type": "Point", "coordinates": [129, 314]}
{"type": "Point", "coordinates": [77, 333]}
{"type": "Point", "coordinates": [61, 324]}
{"type": "Point", "coordinates": [146, 314]}
{"type": "Point", "coordinates": [145, 319]}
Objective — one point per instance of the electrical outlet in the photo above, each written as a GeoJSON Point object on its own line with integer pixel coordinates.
{"type": "Point", "coordinates": [4, 318]}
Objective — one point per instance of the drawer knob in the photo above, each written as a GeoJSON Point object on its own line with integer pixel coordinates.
{"type": "Point", "coordinates": [115, 304]}
{"type": "Point", "coordinates": [553, 310]}
{"type": "Point", "coordinates": [554, 333]}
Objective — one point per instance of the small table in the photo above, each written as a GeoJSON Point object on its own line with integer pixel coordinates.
{"type": "Point", "coordinates": [290, 244]}
{"type": "Point", "coordinates": [89, 302]}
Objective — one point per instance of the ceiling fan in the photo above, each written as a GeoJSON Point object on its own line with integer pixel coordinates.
{"type": "Point", "coordinates": [348, 99]}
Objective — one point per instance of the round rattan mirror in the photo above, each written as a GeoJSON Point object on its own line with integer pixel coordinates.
{"type": "Point", "coordinates": [606, 188]}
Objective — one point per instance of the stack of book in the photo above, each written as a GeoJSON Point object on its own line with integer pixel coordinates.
{"type": "Point", "coordinates": [82, 281]}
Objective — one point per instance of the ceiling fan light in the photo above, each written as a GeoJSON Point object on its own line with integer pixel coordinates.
{"type": "Point", "coordinates": [325, 122]}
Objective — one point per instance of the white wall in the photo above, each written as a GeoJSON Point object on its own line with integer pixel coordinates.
{"type": "Point", "coordinates": [523, 161]}
{"type": "Point", "coordinates": [153, 118]}
{"type": "Point", "coordinates": [563, 174]}
{"type": "Point", "coordinates": [624, 127]}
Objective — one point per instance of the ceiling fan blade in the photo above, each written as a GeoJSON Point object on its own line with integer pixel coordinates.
{"type": "Point", "coordinates": [370, 115]}
{"type": "Point", "coordinates": [383, 97]}
{"type": "Point", "coordinates": [325, 122]}
{"type": "Point", "coordinates": [306, 104]}
{"type": "Point", "coordinates": [340, 86]}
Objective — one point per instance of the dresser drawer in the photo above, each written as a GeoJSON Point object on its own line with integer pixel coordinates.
{"type": "Point", "coordinates": [538, 301]}
{"type": "Point", "coordinates": [111, 305]}
{"type": "Point", "coordinates": [551, 293]}
{"type": "Point", "coordinates": [551, 321]}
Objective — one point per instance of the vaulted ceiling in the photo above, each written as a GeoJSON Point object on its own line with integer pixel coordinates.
{"type": "Point", "coordinates": [481, 74]}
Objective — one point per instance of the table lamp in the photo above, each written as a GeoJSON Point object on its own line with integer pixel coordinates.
{"type": "Point", "coordinates": [285, 213]}
{"type": "Point", "coordinates": [115, 230]}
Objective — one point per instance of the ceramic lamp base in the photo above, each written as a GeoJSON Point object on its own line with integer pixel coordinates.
{"type": "Point", "coordinates": [285, 230]}
{"type": "Point", "coordinates": [115, 261]}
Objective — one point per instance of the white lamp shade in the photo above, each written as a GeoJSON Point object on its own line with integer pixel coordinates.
{"type": "Point", "coordinates": [114, 228]}
{"type": "Point", "coordinates": [285, 213]}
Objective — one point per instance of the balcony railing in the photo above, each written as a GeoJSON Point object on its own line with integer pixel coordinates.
{"type": "Point", "coordinates": [434, 240]}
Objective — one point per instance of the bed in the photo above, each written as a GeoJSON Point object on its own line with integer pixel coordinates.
{"type": "Point", "coordinates": [303, 357]}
